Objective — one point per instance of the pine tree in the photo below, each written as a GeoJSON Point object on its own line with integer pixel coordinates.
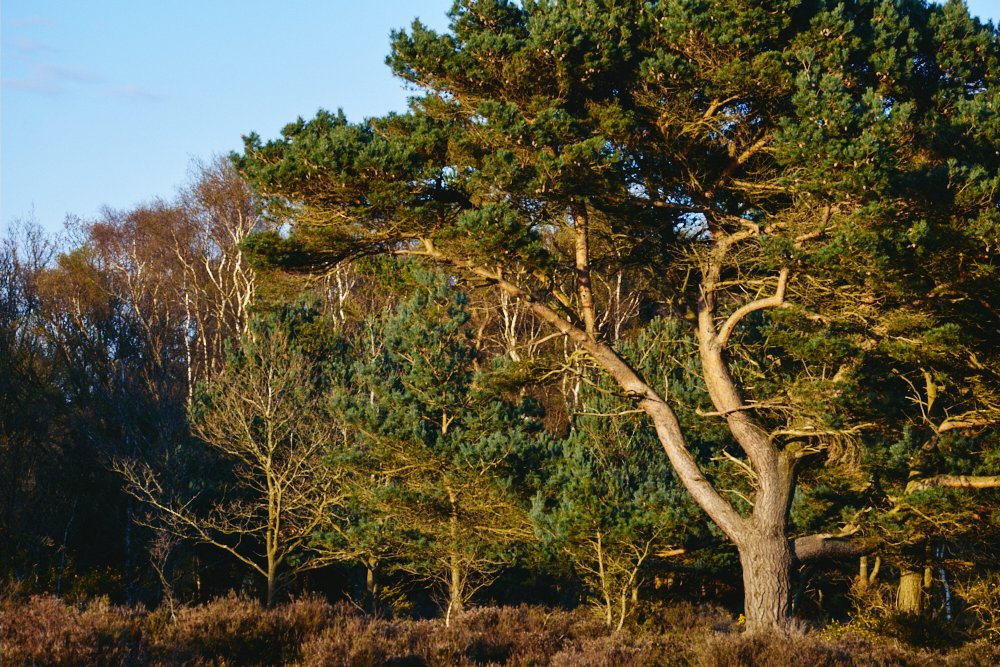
{"type": "Point", "coordinates": [440, 450]}
{"type": "Point", "coordinates": [760, 160]}
{"type": "Point", "coordinates": [610, 502]}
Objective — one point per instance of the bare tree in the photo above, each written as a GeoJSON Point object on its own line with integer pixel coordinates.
{"type": "Point", "coordinates": [263, 414]}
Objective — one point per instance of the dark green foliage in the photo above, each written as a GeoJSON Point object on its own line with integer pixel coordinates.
{"type": "Point", "coordinates": [610, 500]}
{"type": "Point", "coordinates": [439, 458]}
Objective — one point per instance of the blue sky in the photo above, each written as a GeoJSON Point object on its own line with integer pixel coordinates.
{"type": "Point", "coordinates": [107, 102]}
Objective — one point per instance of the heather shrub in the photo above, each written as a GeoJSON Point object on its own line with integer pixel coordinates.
{"type": "Point", "coordinates": [975, 654]}
{"type": "Point", "coordinates": [797, 649]}
{"type": "Point", "coordinates": [622, 650]}
{"type": "Point", "coordinates": [43, 630]}
{"type": "Point", "coordinates": [305, 617]}
{"type": "Point", "coordinates": [523, 635]}
{"type": "Point", "coordinates": [487, 635]}
{"type": "Point", "coordinates": [681, 619]}
{"type": "Point", "coordinates": [352, 640]}
{"type": "Point", "coordinates": [497, 634]}
{"type": "Point", "coordinates": [236, 630]}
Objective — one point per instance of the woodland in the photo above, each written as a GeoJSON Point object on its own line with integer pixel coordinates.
{"type": "Point", "coordinates": [645, 318]}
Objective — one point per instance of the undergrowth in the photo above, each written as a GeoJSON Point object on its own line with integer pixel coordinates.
{"type": "Point", "coordinates": [44, 630]}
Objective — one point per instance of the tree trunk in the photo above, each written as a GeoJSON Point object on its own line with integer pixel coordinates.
{"type": "Point", "coordinates": [455, 602]}
{"type": "Point", "coordinates": [582, 232]}
{"type": "Point", "coordinates": [455, 583]}
{"type": "Point", "coordinates": [372, 586]}
{"type": "Point", "coordinates": [861, 583]}
{"type": "Point", "coordinates": [910, 595]}
{"type": "Point", "coordinates": [272, 585]}
{"type": "Point", "coordinates": [766, 562]}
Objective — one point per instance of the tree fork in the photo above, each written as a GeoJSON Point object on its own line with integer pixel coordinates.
{"type": "Point", "coordinates": [665, 421]}
{"type": "Point", "coordinates": [765, 554]}
{"type": "Point", "coordinates": [767, 602]}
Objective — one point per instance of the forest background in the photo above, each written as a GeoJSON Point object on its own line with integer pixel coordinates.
{"type": "Point", "coordinates": [613, 271]}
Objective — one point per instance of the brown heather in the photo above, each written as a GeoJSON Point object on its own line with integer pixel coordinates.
{"type": "Point", "coordinates": [44, 630]}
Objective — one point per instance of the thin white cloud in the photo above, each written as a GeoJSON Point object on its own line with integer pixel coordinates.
{"type": "Point", "coordinates": [135, 92]}
{"type": "Point", "coordinates": [76, 74]}
{"type": "Point", "coordinates": [53, 79]}
{"type": "Point", "coordinates": [27, 45]}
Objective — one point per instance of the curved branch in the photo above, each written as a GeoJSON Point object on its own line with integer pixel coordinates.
{"type": "Point", "coordinates": [667, 426]}
{"type": "Point", "coordinates": [774, 469]}
{"type": "Point", "coordinates": [775, 301]}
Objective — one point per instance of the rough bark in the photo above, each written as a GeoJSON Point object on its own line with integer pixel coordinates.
{"type": "Point", "coordinates": [910, 594]}
{"type": "Point", "coordinates": [814, 547]}
{"type": "Point", "coordinates": [766, 560]}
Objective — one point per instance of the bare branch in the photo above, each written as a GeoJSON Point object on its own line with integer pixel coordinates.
{"type": "Point", "coordinates": [665, 421]}
{"type": "Point", "coordinates": [775, 301]}
{"type": "Point", "coordinates": [963, 423]}
{"type": "Point", "coordinates": [954, 482]}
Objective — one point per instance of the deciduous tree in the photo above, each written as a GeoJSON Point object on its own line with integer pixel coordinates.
{"type": "Point", "coordinates": [264, 415]}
